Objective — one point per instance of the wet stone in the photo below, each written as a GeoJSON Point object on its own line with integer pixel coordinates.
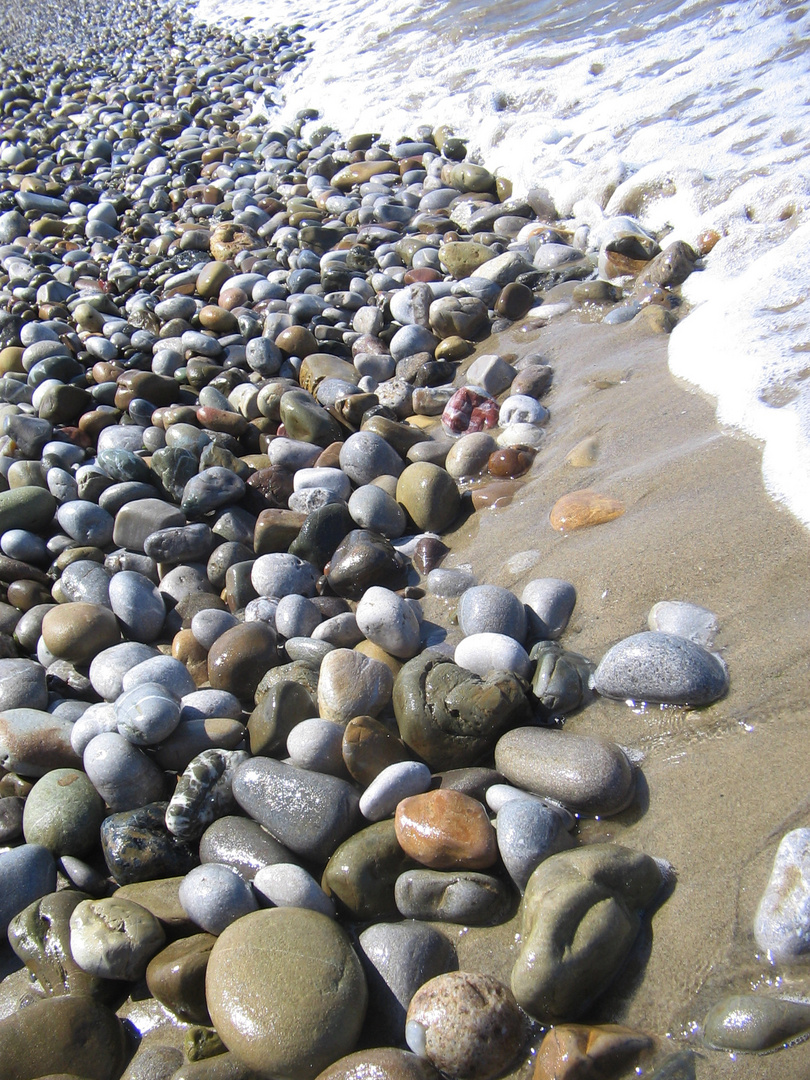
{"type": "Point", "coordinates": [138, 848]}
{"type": "Point", "coordinates": [114, 938]}
{"type": "Point", "coordinates": [582, 509]}
{"type": "Point", "coordinates": [362, 873]}
{"type": "Point", "coordinates": [242, 844]}
{"type": "Point", "coordinates": [573, 1051]}
{"type": "Point", "coordinates": [753, 1022]}
{"type": "Point", "coordinates": [445, 829]}
{"type": "Point", "coordinates": [659, 667]}
{"type": "Point", "coordinates": [40, 937]}
{"type": "Point", "coordinates": [782, 922]}
{"type": "Point", "coordinates": [461, 896]}
{"type": "Point", "coordinates": [176, 977]}
{"type": "Point", "coordinates": [215, 896]}
{"type": "Point", "coordinates": [288, 885]}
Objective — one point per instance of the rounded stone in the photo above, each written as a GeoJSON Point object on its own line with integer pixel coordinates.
{"type": "Point", "coordinates": [528, 832]}
{"type": "Point", "coordinates": [280, 574]}
{"type": "Point", "coordinates": [296, 616]}
{"type": "Point", "coordinates": [384, 1063]}
{"type": "Point", "coordinates": [393, 784]}
{"type": "Point", "coordinates": [79, 632]}
{"type": "Point", "coordinates": [582, 509]}
{"type": "Point", "coordinates": [782, 921]}
{"type": "Point", "coordinates": [22, 685]}
{"type": "Point", "coordinates": [365, 455]}
{"type": "Point", "coordinates": [445, 829]}
{"type": "Point", "coordinates": [147, 714]}
{"type": "Point", "coordinates": [286, 992]}
{"type": "Point", "coordinates": [86, 523]}
{"type": "Point", "coordinates": [658, 667]}
{"type": "Point", "coordinates": [491, 609]}
{"type": "Point", "coordinates": [240, 657]}
{"type": "Point", "coordinates": [68, 1036]}
{"type": "Point", "coordinates": [468, 456]}
{"type": "Point", "coordinates": [288, 885]}
{"type": "Point", "coordinates": [389, 621]}
{"type": "Point", "coordinates": [215, 896]}
{"type": "Point", "coordinates": [429, 496]}
{"type": "Point", "coordinates": [27, 873]}
{"type": "Point", "coordinates": [63, 812]}
{"type": "Point", "coordinates": [374, 509]}
{"type": "Point", "coordinates": [549, 605]}
{"type": "Point", "coordinates": [754, 1022]}
{"type": "Point", "coordinates": [122, 774]}
{"type": "Point", "coordinates": [138, 605]}
{"type": "Point", "coordinates": [176, 977]}
{"type": "Point", "coordinates": [485, 653]}
{"type": "Point", "coordinates": [351, 684]}
{"type": "Point", "coordinates": [466, 1024]}
{"type": "Point", "coordinates": [114, 938]}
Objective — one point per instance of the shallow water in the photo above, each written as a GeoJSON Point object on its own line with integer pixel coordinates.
{"type": "Point", "coordinates": [700, 106]}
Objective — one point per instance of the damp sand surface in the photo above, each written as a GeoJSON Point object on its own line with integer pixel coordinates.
{"type": "Point", "coordinates": [721, 785]}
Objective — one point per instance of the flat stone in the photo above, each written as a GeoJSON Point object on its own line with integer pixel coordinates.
{"type": "Point", "coordinates": [361, 874]}
{"type": "Point", "coordinates": [137, 520]}
{"type": "Point", "coordinates": [34, 742]}
{"type": "Point", "coordinates": [582, 509]}
{"type": "Point", "coordinates": [274, 997]}
{"type": "Point", "coordinates": [240, 657]}
{"type": "Point", "coordinates": [658, 667]}
{"type": "Point", "coordinates": [22, 685]}
{"type": "Point", "coordinates": [369, 747]}
{"type": "Point", "coordinates": [40, 937]}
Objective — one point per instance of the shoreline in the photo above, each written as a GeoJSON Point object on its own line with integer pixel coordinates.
{"type": "Point", "coordinates": [697, 526]}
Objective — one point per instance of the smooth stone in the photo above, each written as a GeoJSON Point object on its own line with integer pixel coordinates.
{"type": "Point", "coordinates": [398, 958]}
{"type": "Point", "coordinates": [285, 705]}
{"type": "Point", "coordinates": [753, 1023]}
{"type": "Point", "coordinates": [362, 873]}
{"type": "Point", "coordinates": [549, 604]}
{"type": "Point", "coordinates": [63, 812]}
{"type": "Point", "coordinates": [27, 873]}
{"type": "Point", "coordinates": [492, 609]}
{"type": "Point", "coordinates": [351, 684]}
{"type": "Point", "coordinates": [72, 1036]}
{"type": "Point", "coordinates": [486, 653]}
{"type": "Point", "coordinates": [288, 885]}
{"type": "Point", "coordinates": [11, 818]}
{"type": "Point", "coordinates": [166, 671]}
{"type": "Point", "coordinates": [389, 621]}
{"type": "Point", "coordinates": [528, 832]}
{"type": "Point", "coordinates": [78, 632]}
{"type": "Point", "coordinates": [182, 543]}
{"type": "Point", "coordinates": [305, 420]}
{"type": "Point", "coordinates": [684, 620]}
{"type": "Point", "coordinates": [365, 455]}
{"type": "Point", "coordinates": [215, 895]}
{"type": "Point", "coordinates": [412, 339]}
{"type": "Point", "coordinates": [296, 616]}
{"type": "Point", "coordinates": [581, 914]}
{"type": "Point", "coordinates": [452, 717]}
{"type": "Point", "coordinates": [161, 897]}
{"type": "Point", "coordinates": [446, 830]}
{"type": "Point", "coordinates": [316, 744]}
{"type": "Point", "coordinates": [40, 937]}
{"type": "Point", "coordinates": [584, 454]}
{"type": "Point", "coordinates": [138, 847]}
{"type": "Point", "coordinates": [429, 496]}
{"type": "Point", "coordinates": [210, 624]}
{"type": "Point", "coordinates": [584, 1052]}
{"type": "Point", "coordinates": [460, 896]}
{"type": "Point", "coordinates": [449, 583]}
{"type": "Point", "coordinates": [22, 685]}
{"type": "Point", "coordinates": [466, 1024]}
{"type": "Point", "coordinates": [109, 667]}
{"type": "Point", "coordinates": [369, 747]}
{"type": "Point", "coordinates": [384, 1063]}
{"type": "Point", "coordinates": [464, 258]}
{"type": "Point", "coordinates": [95, 720]}
{"type": "Point", "coordinates": [782, 921]}
{"type": "Point", "coordinates": [208, 704]}
{"type": "Point", "coordinates": [242, 844]}
{"type": "Point", "coordinates": [374, 509]}
{"type": "Point", "coordinates": [114, 938]}
{"type": "Point", "coordinates": [176, 977]}
{"type": "Point", "coordinates": [286, 992]}
{"type": "Point", "coordinates": [122, 774]}
{"type": "Point", "coordinates": [469, 454]}
{"type": "Point", "coordinates": [280, 574]}
{"type": "Point", "coordinates": [658, 667]}
{"type": "Point", "coordinates": [586, 773]}
{"type": "Point", "coordinates": [30, 508]}
{"type": "Point", "coordinates": [582, 509]}
{"type": "Point", "coordinates": [138, 606]}
{"type": "Point", "coordinates": [137, 520]}
{"type": "Point", "coordinates": [240, 657]}
{"type": "Point", "coordinates": [86, 523]}
{"type": "Point", "coordinates": [490, 372]}
{"type": "Point", "coordinates": [390, 786]}
{"type": "Point", "coordinates": [322, 532]}
{"type": "Point", "coordinates": [34, 742]}
{"type": "Point", "coordinates": [147, 714]}
{"type": "Point", "coordinates": [363, 559]}
{"type": "Point", "coordinates": [309, 813]}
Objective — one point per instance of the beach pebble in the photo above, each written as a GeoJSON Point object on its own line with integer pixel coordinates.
{"type": "Point", "coordinates": [27, 872]}
{"type": "Point", "coordinates": [582, 509]}
{"type": "Point", "coordinates": [169, 673]}
{"type": "Point", "coordinates": [176, 978]}
{"type": "Point", "coordinates": [137, 847]}
{"type": "Point", "coordinates": [296, 616]}
{"type": "Point", "coordinates": [317, 744]}
{"type": "Point", "coordinates": [147, 714]}
{"type": "Point", "coordinates": [362, 872]}
{"type": "Point", "coordinates": [374, 509]}
{"type": "Point", "coordinates": [138, 605]}
{"type": "Point", "coordinates": [549, 604]}
{"type": "Point", "coordinates": [365, 455]}
{"type": "Point", "coordinates": [468, 456]}
{"type": "Point", "coordinates": [586, 773]}
{"type": "Point", "coordinates": [466, 1024]}
{"type": "Point", "coordinates": [33, 742]}
{"type": "Point", "coordinates": [22, 685]}
{"type": "Point", "coordinates": [240, 657]}
{"type": "Point", "coordinates": [86, 523]}
{"type": "Point", "coordinates": [210, 624]}
{"type": "Point", "coordinates": [242, 844]}
{"type": "Point", "coordinates": [390, 786]}
{"type": "Point", "coordinates": [85, 1038]}
{"type": "Point", "coordinates": [288, 885]}
{"type": "Point", "coordinates": [114, 938]}
{"type": "Point", "coordinates": [351, 684]}
{"type": "Point", "coordinates": [528, 831]}
{"type": "Point", "coordinates": [273, 996]}
{"type": "Point", "coordinates": [308, 812]}
{"type": "Point", "coordinates": [63, 812]}
{"type": "Point", "coordinates": [389, 621]}
{"type": "Point", "coordinates": [580, 915]}
{"type": "Point", "coordinates": [449, 583]}
{"type": "Point", "coordinates": [572, 1050]}
{"type": "Point", "coordinates": [79, 632]}
{"type": "Point", "coordinates": [214, 896]}
{"type": "Point", "coordinates": [108, 668]}
{"type": "Point", "coordinates": [386, 1062]}
{"type": "Point", "coordinates": [484, 653]}
{"type": "Point", "coordinates": [280, 574]}
{"type": "Point", "coordinates": [782, 922]}
{"type": "Point", "coordinates": [684, 620]}
{"type": "Point", "coordinates": [521, 409]}
{"type": "Point", "coordinates": [203, 792]}
{"type": "Point", "coordinates": [429, 496]}
{"type": "Point", "coordinates": [657, 667]}
{"type": "Point", "coordinates": [122, 774]}
{"type": "Point", "coordinates": [445, 829]}
{"type": "Point", "coordinates": [398, 958]}
{"type": "Point", "coordinates": [491, 609]}
{"type": "Point", "coordinates": [753, 1022]}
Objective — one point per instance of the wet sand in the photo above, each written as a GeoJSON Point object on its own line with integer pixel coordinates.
{"type": "Point", "coordinates": [721, 784]}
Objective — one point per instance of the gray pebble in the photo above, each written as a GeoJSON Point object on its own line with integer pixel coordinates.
{"type": "Point", "coordinates": [114, 938]}
{"type": "Point", "coordinates": [375, 510]}
{"type": "Point", "coordinates": [296, 616]}
{"type": "Point", "coordinates": [491, 609]}
{"type": "Point", "coordinates": [22, 685]}
{"type": "Point", "coordinates": [138, 605]}
{"type": "Point", "coordinates": [279, 574]}
{"type": "Point", "coordinates": [365, 455]}
{"type": "Point", "coordinates": [549, 605]}
{"type": "Point", "coordinates": [215, 895]}
{"type": "Point", "coordinates": [684, 620]}
{"type": "Point", "coordinates": [782, 922]}
{"type": "Point", "coordinates": [458, 897]}
{"type": "Point", "coordinates": [395, 783]}
{"type": "Point", "coordinates": [107, 670]}
{"type": "Point", "coordinates": [658, 667]}
{"type": "Point", "coordinates": [122, 774]}
{"type": "Point", "coordinates": [528, 832]}
{"type": "Point", "coordinates": [449, 583]}
{"type": "Point", "coordinates": [27, 872]}
{"type": "Point", "coordinates": [147, 714]}
{"type": "Point", "coordinates": [486, 652]}
{"type": "Point", "coordinates": [95, 720]}
{"type": "Point", "coordinates": [170, 673]}
{"type": "Point", "coordinates": [288, 885]}
{"type": "Point", "coordinates": [86, 523]}
{"type": "Point", "coordinates": [317, 745]}
{"type": "Point", "coordinates": [211, 623]}
{"type": "Point", "coordinates": [207, 703]}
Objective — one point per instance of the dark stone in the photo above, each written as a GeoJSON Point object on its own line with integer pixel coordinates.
{"type": "Point", "coordinates": [137, 846]}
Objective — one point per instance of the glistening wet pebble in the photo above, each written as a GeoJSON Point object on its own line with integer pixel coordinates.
{"type": "Point", "coordinates": [245, 390]}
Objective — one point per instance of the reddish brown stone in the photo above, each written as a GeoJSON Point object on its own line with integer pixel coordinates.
{"type": "Point", "coordinates": [297, 341]}
{"type": "Point", "coordinates": [492, 496]}
{"type": "Point", "coordinates": [510, 462]}
{"type": "Point", "coordinates": [581, 509]}
{"type": "Point", "coordinates": [446, 830]}
{"type": "Point", "coordinates": [231, 423]}
{"type": "Point", "coordinates": [581, 1052]}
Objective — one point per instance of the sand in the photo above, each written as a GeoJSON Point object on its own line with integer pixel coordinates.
{"type": "Point", "coordinates": [721, 785]}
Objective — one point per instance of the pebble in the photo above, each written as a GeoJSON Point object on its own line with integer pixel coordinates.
{"type": "Point", "coordinates": [147, 714]}
{"type": "Point", "coordinates": [215, 896]}
{"type": "Point", "coordinates": [429, 496]}
{"type": "Point", "coordinates": [389, 621]}
{"type": "Point", "coordinates": [570, 1051]}
{"type": "Point", "coordinates": [288, 885]}
{"type": "Point", "coordinates": [317, 744]}
{"type": "Point", "coordinates": [582, 509]}
{"type": "Point", "coordinates": [85, 1038]}
{"type": "Point", "coordinates": [491, 609]}
{"type": "Point", "coordinates": [63, 813]}
{"type": "Point", "coordinates": [137, 847]}
{"type": "Point", "coordinates": [79, 632]}
{"type": "Point", "coordinates": [274, 997]}
{"type": "Point", "coordinates": [386, 1062]}
{"type": "Point", "coordinates": [659, 667]}
{"type": "Point", "coordinates": [446, 830]}
{"type": "Point", "coordinates": [176, 977]}
{"type": "Point", "coordinates": [22, 685]}
{"type": "Point", "coordinates": [466, 1024]}
{"type": "Point", "coordinates": [782, 921]}
{"type": "Point", "coordinates": [114, 938]}
{"type": "Point", "coordinates": [34, 742]}
{"type": "Point", "coordinates": [753, 1023]}
{"type": "Point", "coordinates": [549, 604]}
{"type": "Point", "coordinates": [242, 844]}
{"type": "Point", "coordinates": [684, 620]}
{"type": "Point", "coordinates": [391, 785]}
{"type": "Point", "coordinates": [27, 873]}
{"type": "Point", "coordinates": [122, 774]}
{"type": "Point", "coordinates": [485, 653]}
{"type": "Point", "coordinates": [351, 684]}
{"type": "Point", "coordinates": [529, 831]}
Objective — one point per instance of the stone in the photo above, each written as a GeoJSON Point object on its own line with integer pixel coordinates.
{"type": "Point", "coordinates": [30, 508]}
{"type": "Point", "coordinates": [79, 632]}
{"type": "Point", "coordinates": [22, 685]}
{"type": "Point", "coordinates": [176, 977]}
{"type": "Point", "coordinates": [463, 258]}
{"type": "Point", "coordinates": [584, 1052]}
{"type": "Point", "coordinates": [147, 714]}
{"type": "Point", "coordinates": [203, 792]}
{"type": "Point", "coordinates": [286, 992]}
{"type": "Point", "coordinates": [27, 873]}
{"type": "Point", "coordinates": [782, 921]}
{"type": "Point", "coordinates": [286, 704]}
{"type": "Point", "coordinates": [195, 736]}
{"type": "Point", "coordinates": [398, 958]}
{"type": "Point", "coordinates": [469, 455]}
{"type": "Point", "coordinates": [369, 747]}
{"type": "Point", "coordinates": [114, 938]}
{"type": "Point", "coordinates": [215, 895]}
{"type": "Point", "coordinates": [365, 455]}
{"type": "Point", "coordinates": [451, 717]}
{"type": "Point", "coordinates": [753, 1023]}
{"type": "Point", "coordinates": [122, 774]}
{"type": "Point", "coordinates": [280, 574]}
{"type": "Point", "coordinates": [445, 830]}
{"type": "Point", "coordinates": [389, 621]}
{"type": "Point", "coordinates": [242, 844]}
{"type": "Point", "coordinates": [240, 657]}
{"type": "Point", "coordinates": [489, 608]}
{"type": "Point", "coordinates": [316, 744]}
{"type": "Point", "coordinates": [562, 679]}
{"type": "Point", "coordinates": [137, 520]}
{"type": "Point", "coordinates": [581, 914]}
{"type": "Point", "coordinates": [657, 667]}
{"type": "Point", "coordinates": [34, 742]}
{"type": "Point", "coordinates": [549, 604]}
{"type": "Point", "coordinates": [63, 1035]}
{"type": "Point", "coordinates": [582, 509]}
{"type": "Point", "coordinates": [288, 885]}
{"type": "Point", "coordinates": [168, 672]}
{"type": "Point", "coordinates": [491, 373]}
{"type": "Point", "coordinates": [393, 784]}
{"type": "Point", "coordinates": [108, 667]}
{"type": "Point", "coordinates": [586, 773]}
{"type": "Point", "coordinates": [429, 496]}
{"type": "Point", "coordinates": [363, 559]}
{"type": "Point", "coordinates": [138, 847]}
{"type": "Point", "coordinates": [63, 813]}
{"type": "Point", "coordinates": [351, 684]}
{"type": "Point", "coordinates": [40, 937]}
{"type": "Point", "coordinates": [309, 813]}
{"type": "Point", "coordinates": [362, 873]}
{"type": "Point", "coordinates": [466, 1024]}
{"type": "Point", "coordinates": [529, 831]}
{"type": "Point", "coordinates": [384, 1063]}
{"type": "Point", "coordinates": [374, 509]}
{"type": "Point", "coordinates": [684, 620]}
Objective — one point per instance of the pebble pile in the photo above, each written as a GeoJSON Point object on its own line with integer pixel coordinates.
{"type": "Point", "coordinates": [241, 773]}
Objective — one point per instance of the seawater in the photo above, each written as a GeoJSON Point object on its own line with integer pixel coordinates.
{"type": "Point", "coordinates": [692, 115]}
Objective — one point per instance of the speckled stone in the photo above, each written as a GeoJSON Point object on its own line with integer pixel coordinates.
{"type": "Point", "coordinates": [658, 667]}
{"type": "Point", "coordinates": [445, 830]}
